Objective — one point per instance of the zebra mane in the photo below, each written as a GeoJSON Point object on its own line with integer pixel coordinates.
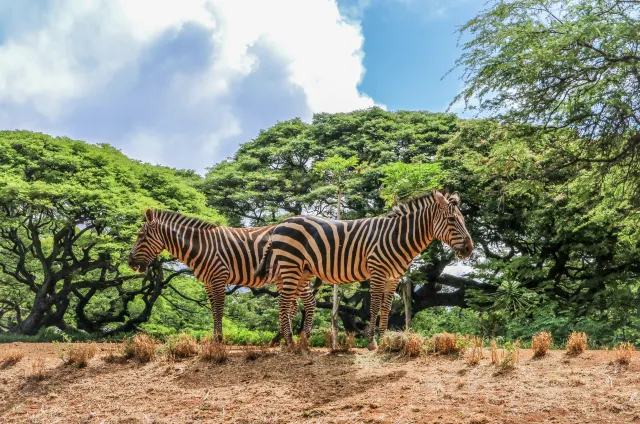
{"type": "Point", "coordinates": [192, 221]}
{"type": "Point", "coordinates": [402, 208]}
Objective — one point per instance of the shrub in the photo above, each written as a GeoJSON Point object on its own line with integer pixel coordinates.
{"type": "Point", "coordinates": [140, 347]}
{"type": "Point", "coordinates": [182, 346]}
{"type": "Point", "coordinates": [623, 353]}
{"type": "Point", "coordinates": [577, 343]}
{"type": "Point", "coordinates": [510, 355]}
{"type": "Point", "coordinates": [540, 343]}
{"type": "Point", "coordinates": [212, 350]}
{"type": "Point", "coordinates": [10, 358]}
{"type": "Point", "coordinates": [475, 353]}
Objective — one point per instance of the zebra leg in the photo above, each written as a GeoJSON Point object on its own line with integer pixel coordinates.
{"type": "Point", "coordinates": [216, 294]}
{"type": "Point", "coordinates": [376, 292]}
{"type": "Point", "coordinates": [387, 301]}
{"type": "Point", "coordinates": [288, 294]}
{"type": "Point", "coordinates": [309, 303]}
{"type": "Point", "coordinates": [292, 313]}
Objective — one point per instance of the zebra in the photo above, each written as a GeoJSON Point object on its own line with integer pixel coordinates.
{"type": "Point", "coordinates": [218, 256]}
{"type": "Point", "coordinates": [379, 249]}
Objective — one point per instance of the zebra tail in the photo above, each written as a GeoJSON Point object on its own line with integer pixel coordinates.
{"type": "Point", "coordinates": [261, 270]}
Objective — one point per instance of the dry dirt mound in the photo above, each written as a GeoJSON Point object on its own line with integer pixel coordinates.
{"type": "Point", "coordinates": [320, 388]}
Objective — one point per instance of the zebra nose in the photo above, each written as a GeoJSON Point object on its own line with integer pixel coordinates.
{"type": "Point", "coordinates": [468, 246]}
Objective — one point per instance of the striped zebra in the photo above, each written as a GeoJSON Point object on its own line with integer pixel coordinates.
{"type": "Point", "coordinates": [379, 249]}
{"type": "Point", "coordinates": [217, 255]}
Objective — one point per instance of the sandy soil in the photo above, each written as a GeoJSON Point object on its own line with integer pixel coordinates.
{"type": "Point", "coordinates": [321, 388]}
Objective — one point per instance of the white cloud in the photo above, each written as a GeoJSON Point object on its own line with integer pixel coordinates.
{"type": "Point", "coordinates": [79, 56]}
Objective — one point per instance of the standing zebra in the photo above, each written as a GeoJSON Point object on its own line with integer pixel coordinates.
{"type": "Point", "coordinates": [380, 249]}
{"type": "Point", "coordinates": [217, 255]}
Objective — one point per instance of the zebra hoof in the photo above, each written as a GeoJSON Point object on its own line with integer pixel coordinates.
{"type": "Point", "coordinates": [372, 346]}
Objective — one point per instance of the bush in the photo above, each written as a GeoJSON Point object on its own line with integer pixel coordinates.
{"type": "Point", "coordinates": [623, 353]}
{"type": "Point", "coordinates": [540, 343]}
{"type": "Point", "coordinates": [577, 343]}
{"type": "Point", "coordinates": [510, 355]}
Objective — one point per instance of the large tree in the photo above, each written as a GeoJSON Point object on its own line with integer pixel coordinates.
{"type": "Point", "coordinates": [68, 214]}
{"type": "Point", "coordinates": [561, 64]}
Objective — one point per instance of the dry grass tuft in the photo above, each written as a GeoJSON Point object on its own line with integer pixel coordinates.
{"type": "Point", "coordinates": [79, 354]}
{"type": "Point", "coordinates": [115, 354]}
{"type": "Point", "coordinates": [475, 353]}
{"type": "Point", "coordinates": [577, 343]}
{"type": "Point", "coordinates": [37, 369]}
{"type": "Point", "coordinates": [392, 342]}
{"type": "Point", "coordinates": [346, 342]}
{"type": "Point", "coordinates": [413, 346]}
{"type": "Point", "coordinates": [495, 357]}
{"type": "Point", "coordinates": [445, 343]}
{"type": "Point", "coordinates": [10, 358]}
{"type": "Point", "coordinates": [140, 347]}
{"type": "Point", "coordinates": [301, 347]}
{"type": "Point", "coordinates": [540, 343]}
{"type": "Point", "coordinates": [211, 350]}
{"type": "Point", "coordinates": [182, 346]}
{"type": "Point", "coordinates": [623, 353]}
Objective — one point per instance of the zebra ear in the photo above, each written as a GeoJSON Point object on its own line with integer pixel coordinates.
{"type": "Point", "coordinates": [455, 199]}
{"type": "Point", "coordinates": [148, 215]}
{"type": "Point", "coordinates": [442, 201]}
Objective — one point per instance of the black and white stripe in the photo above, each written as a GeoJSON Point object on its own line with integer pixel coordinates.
{"type": "Point", "coordinates": [379, 249]}
{"type": "Point", "coordinates": [217, 255]}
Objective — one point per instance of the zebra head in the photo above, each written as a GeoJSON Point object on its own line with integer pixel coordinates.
{"type": "Point", "coordinates": [149, 244]}
{"type": "Point", "coordinates": [448, 224]}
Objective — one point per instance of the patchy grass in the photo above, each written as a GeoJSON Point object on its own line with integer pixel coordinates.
{"type": "Point", "coordinates": [393, 342]}
{"type": "Point", "coordinates": [475, 353]}
{"type": "Point", "coordinates": [211, 350]}
{"type": "Point", "coordinates": [181, 346]}
{"type": "Point", "coordinates": [140, 347]}
{"type": "Point", "coordinates": [540, 343]}
{"type": "Point", "coordinates": [623, 353]}
{"type": "Point", "coordinates": [10, 358]}
{"type": "Point", "coordinates": [576, 344]}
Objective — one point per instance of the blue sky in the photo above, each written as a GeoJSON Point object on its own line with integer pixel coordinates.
{"type": "Point", "coordinates": [183, 83]}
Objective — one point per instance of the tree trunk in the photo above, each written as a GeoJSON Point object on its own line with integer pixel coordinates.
{"type": "Point", "coordinates": [336, 294]}
{"type": "Point", "coordinates": [408, 290]}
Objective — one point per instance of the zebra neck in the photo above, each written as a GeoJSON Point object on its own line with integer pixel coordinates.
{"type": "Point", "coordinates": [414, 230]}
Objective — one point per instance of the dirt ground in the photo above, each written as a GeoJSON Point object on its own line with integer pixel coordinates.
{"type": "Point", "coordinates": [320, 388]}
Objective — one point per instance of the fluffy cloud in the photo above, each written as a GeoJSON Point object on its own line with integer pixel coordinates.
{"type": "Point", "coordinates": [180, 83]}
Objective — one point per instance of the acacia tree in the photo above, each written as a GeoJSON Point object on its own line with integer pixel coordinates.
{"type": "Point", "coordinates": [69, 212]}
{"type": "Point", "coordinates": [562, 64]}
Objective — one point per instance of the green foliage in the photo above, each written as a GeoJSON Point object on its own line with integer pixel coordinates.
{"type": "Point", "coordinates": [402, 180]}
